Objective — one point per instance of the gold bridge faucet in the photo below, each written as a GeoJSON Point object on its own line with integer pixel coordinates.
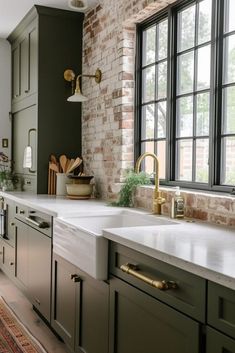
{"type": "Point", "coordinates": [158, 200]}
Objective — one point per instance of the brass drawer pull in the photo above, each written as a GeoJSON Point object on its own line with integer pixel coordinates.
{"type": "Point", "coordinates": [162, 285]}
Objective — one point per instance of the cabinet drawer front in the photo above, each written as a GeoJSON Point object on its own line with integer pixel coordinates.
{"type": "Point", "coordinates": [218, 343]}
{"type": "Point", "coordinates": [221, 308]}
{"type": "Point", "coordinates": [190, 294]}
{"type": "Point", "coordinates": [140, 323]}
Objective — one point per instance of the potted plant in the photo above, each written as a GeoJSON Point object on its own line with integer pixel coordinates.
{"type": "Point", "coordinates": [8, 179]}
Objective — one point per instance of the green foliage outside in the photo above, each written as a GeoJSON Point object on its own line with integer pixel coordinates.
{"type": "Point", "coordinates": [131, 182]}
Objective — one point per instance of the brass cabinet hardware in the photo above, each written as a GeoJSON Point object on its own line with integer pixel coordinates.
{"type": "Point", "coordinates": [75, 278]}
{"type": "Point", "coordinates": [162, 285]}
{"type": "Point", "coordinates": [12, 224]}
{"type": "Point", "coordinates": [11, 263]}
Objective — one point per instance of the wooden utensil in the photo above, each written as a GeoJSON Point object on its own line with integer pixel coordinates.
{"type": "Point", "coordinates": [54, 167]}
{"type": "Point", "coordinates": [70, 165]}
{"type": "Point", "coordinates": [76, 164]}
{"type": "Point", "coordinates": [67, 165]}
{"type": "Point", "coordinates": [53, 159]}
{"type": "Point", "coordinates": [49, 180]}
{"type": "Point", "coordinates": [63, 162]}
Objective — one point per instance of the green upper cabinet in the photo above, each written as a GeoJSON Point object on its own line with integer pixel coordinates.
{"type": "Point", "coordinates": [24, 63]}
{"type": "Point", "coordinates": [44, 44]}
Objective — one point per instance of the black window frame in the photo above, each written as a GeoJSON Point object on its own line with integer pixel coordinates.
{"type": "Point", "coordinates": [215, 132]}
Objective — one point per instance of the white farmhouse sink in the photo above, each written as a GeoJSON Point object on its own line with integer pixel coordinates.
{"type": "Point", "coordinates": [79, 239]}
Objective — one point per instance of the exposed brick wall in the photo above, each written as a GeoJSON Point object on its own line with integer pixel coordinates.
{"type": "Point", "coordinates": [108, 116]}
{"type": "Point", "coordinates": [200, 205]}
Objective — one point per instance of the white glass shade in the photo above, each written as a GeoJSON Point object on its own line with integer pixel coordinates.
{"type": "Point", "coordinates": [77, 97]}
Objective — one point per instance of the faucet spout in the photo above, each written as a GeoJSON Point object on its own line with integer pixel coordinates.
{"type": "Point", "coordinates": [158, 200]}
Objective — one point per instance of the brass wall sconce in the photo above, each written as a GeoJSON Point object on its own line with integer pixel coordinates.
{"type": "Point", "coordinates": [70, 76]}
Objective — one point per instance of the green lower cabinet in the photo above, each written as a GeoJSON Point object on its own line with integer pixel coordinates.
{"type": "Point", "coordinates": [64, 300]}
{"type": "Point", "coordinates": [80, 306]}
{"type": "Point", "coordinates": [217, 342]}
{"type": "Point", "coordinates": [141, 324]}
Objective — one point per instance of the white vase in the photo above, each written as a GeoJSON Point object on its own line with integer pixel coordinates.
{"type": "Point", "coordinates": [61, 181]}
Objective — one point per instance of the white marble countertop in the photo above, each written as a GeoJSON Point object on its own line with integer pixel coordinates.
{"type": "Point", "coordinates": [55, 205]}
{"type": "Point", "coordinates": [200, 248]}
{"type": "Point", "coordinates": [205, 250]}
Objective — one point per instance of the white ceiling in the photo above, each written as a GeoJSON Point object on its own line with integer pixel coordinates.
{"type": "Point", "coordinates": [12, 11]}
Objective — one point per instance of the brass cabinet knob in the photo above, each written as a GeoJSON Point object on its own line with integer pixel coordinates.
{"type": "Point", "coordinates": [11, 263]}
{"type": "Point", "coordinates": [12, 224]}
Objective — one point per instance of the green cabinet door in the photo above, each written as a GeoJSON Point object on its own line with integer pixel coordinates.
{"type": "Point", "coordinates": [15, 72]}
{"type": "Point", "coordinates": [7, 258]}
{"type": "Point", "coordinates": [64, 300]}
{"type": "Point", "coordinates": [92, 317]}
{"type": "Point", "coordinates": [141, 324]}
{"type": "Point", "coordinates": [10, 222]}
{"type": "Point", "coordinates": [217, 342]}
{"type": "Point", "coordinates": [24, 133]}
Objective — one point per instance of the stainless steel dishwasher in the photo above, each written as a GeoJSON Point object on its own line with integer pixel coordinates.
{"type": "Point", "coordinates": [33, 256]}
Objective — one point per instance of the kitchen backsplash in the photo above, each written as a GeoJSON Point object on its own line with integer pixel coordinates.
{"type": "Point", "coordinates": [215, 209]}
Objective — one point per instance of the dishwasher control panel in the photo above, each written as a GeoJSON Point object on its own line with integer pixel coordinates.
{"type": "Point", "coordinates": [34, 218]}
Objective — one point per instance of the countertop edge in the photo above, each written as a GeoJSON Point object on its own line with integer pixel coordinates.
{"type": "Point", "coordinates": [193, 268]}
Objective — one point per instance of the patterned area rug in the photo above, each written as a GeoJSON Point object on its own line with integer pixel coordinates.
{"type": "Point", "coordinates": [14, 336]}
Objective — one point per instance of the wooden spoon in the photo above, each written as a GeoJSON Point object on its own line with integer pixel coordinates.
{"type": "Point", "coordinates": [63, 162]}
{"type": "Point", "coordinates": [76, 164]}
{"type": "Point", "coordinates": [54, 167]}
{"type": "Point", "coordinates": [70, 165]}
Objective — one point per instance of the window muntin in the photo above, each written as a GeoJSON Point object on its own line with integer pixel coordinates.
{"type": "Point", "coordinates": [192, 99]}
{"type": "Point", "coordinates": [154, 72]}
{"type": "Point", "coordinates": [197, 112]}
{"type": "Point", "coordinates": [228, 97]}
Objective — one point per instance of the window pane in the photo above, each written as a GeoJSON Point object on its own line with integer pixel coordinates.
{"type": "Point", "coordinates": [148, 84]}
{"type": "Point", "coordinates": [185, 73]}
{"type": "Point", "coordinates": [229, 15]}
{"type": "Point", "coordinates": [203, 112]}
{"type": "Point", "coordinates": [162, 40]}
{"type": "Point", "coordinates": [202, 156]}
{"type": "Point", "coordinates": [228, 161]}
{"type": "Point", "coordinates": [185, 116]}
{"type": "Point", "coordinates": [229, 59]}
{"type": "Point", "coordinates": [148, 163]}
{"type": "Point", "coordinates": [186, 28]}
{"type": "Point", "coordinates": [162, 80]}
{"type": "Point", "coordinates": [229, 110]}
{"type": "Point", "coordinates": [149, 46]}
{"type": "Point", "coordinates": [161, 153]}
{"type": "Point", "coordinates": [204, 67]}
{"type": "Point", "coordinates": [184, 160]}
{"type": "Point", "coordinates": [161, 119]}
{"type": "Point", "coordinates": [204, 21]}
{"type": "Point", "coordinates": [147, 127]}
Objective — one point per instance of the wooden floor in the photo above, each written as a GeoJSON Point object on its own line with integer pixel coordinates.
{"type": "Point", "coordinates": [23, 309]}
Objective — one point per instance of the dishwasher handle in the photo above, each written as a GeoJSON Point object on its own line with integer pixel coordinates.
{"type": "Point", "coordinates": [41, 225]}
